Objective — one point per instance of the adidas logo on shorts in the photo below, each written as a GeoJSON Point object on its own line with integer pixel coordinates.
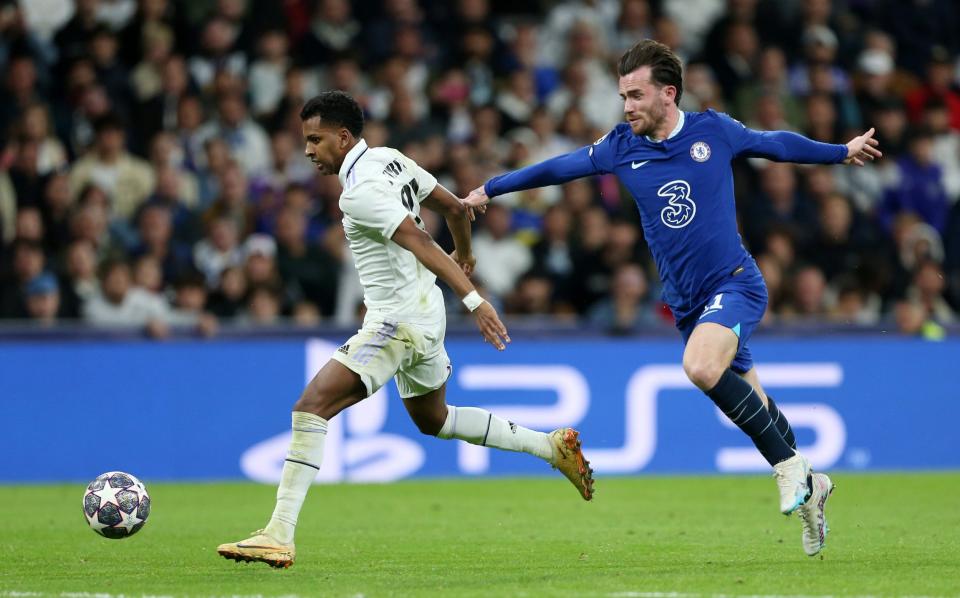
{"type": "Point", "coordinates": [345, 349]}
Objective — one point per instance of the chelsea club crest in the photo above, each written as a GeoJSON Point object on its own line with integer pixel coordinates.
{"type": "Point", "coordinates": [700, 151]}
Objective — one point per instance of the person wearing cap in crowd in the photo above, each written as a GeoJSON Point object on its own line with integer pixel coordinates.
{"type": "Point", "coordinates": [43, 299]}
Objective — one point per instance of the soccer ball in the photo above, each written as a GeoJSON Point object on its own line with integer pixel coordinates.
{"type": "Point", "coordinates": [116, 505]}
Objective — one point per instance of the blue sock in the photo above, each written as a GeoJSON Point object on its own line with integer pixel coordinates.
{"type": "Point", "coordinates": [780, 421]}
{"type": "Point", "coordinates": [741, 403]}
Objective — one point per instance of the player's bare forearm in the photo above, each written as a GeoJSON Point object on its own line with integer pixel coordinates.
{"type": "Point", "coordinates": [428, 253]}
{"type": "Point", "coordinates": [442, 201]}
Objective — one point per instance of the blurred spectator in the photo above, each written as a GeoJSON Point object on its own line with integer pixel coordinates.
{"type": "Point", "coordinates": [308, 272]}
{"type": "Point", "coordinates": [227, 299]}
{"type": "Point", "coordinates": [592, 280]}
{"type": "Point", "coordinates": [809, 297]}
{"type": "Point", "coordinates": [157, 242]}
{"type": "Point", "coordinates": [43, 299]}
{"type": "Point", "coordinates": [19, 92]}
{"type": "Point", "coordinates": [119, 304]}
{"type": "Point", "coordinates": [147, 274]}
{"type": "Point", "coordinates": [55, 208]}
{"type": "Point", "coordinates": [819, 50]}
{"type": "Point", "coordinates": [248, 142]}
{"type": "Point", "coordinates": [331, 29]}
{"type": "Point", "coordinates": [874, 81]}
{"type": "Point", "coordinates": [126, 179]}
{"type": "Point", "coordinates": [946, 146]}
{"type": "Point", "coordinates": [219, 250]}
{"type": "Point", "coordinates": [501, 258]}
{"type": "Point", "coordinates": [189, 305]}
{"type": "Point", "coordinates": [770, 82]}
{"type": "Point", "coordinates": [80, 280]}
{"type": "Point", "coordinates": [111, 72]}
{"type": "Point", "coordinates": [262, 308]}
{"type": "Point", "coordinates": [938, 84]}
{"type": "Point", "coordinates": [233, 201]}
{"type": "Point", "coordinates": [268, 71]}
{"type": "Point", "coordinates": [927, 291]}
{"type": "Point", "coordinates": [735, 64]}
{"type": "Point", "coordinates": [217, 53]}
{"type": "Point", "coordinates": [532, 296]}
{"type": "Point", "coordinates": [27, 262]}
{"type": "Point", "coordinates": [151, 18]}
{"type": "Point", "coordinates": [854, 305]}
{"type": "Point", "coordinates": [841, 240]}
{"type": "Point", "coordinates": [635, 22]}
{"type": "Point", "coordinates": [35, 127]}
{"type": "Point", "coordinates": [917, 185]}
{"type": "Point", "coordinates": [628, 308]}
{"type": "Point", "coordinates": [553, 253]}
{"type": "Point", "coordinates": [779, 203]}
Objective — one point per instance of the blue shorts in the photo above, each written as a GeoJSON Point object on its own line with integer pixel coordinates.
{"type": "Point", "coordinates": [739, 304]}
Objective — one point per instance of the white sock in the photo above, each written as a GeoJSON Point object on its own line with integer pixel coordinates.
{"type": "Point", "coordinates": [479, 426]}
{"type": "Point", "coordinates": [299, 470]}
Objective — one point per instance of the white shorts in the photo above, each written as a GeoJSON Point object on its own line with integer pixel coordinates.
{"type": "Point", "coordinates": [385, 348]}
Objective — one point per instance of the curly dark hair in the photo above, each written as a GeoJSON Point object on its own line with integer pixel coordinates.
{"type": "Point", "coordinates": [335, 108]}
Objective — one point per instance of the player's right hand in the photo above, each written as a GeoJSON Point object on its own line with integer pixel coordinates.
{"type": "Point", "coordinates": [492, 329]}
{"type": "Point", "coordinates": [476, 202]}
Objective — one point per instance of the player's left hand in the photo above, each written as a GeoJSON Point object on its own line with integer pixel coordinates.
{"type": "Point", "coordinates": [862, 148]}
{"type": "Point", "coordinates": [476, 202]}
{"type": "Point", "coordinates": [467, 263]}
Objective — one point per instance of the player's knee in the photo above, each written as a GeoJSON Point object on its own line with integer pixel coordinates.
{"type": "Point", "coordinates": [704, 373]}
{"type": "Point", "coordinates": [315, 400]}
{"type": "Point", "coordinates": [430, 423]}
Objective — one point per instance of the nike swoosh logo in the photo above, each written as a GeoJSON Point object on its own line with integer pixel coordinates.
{"type": "Point", "coordinates": [636, 165]}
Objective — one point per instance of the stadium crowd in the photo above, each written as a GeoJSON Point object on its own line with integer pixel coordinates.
{"type": "Point", "coordinates": [151, 168]}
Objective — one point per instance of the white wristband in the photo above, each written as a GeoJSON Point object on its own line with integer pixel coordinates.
{"type": "Point", "coordinates": [473, 300]}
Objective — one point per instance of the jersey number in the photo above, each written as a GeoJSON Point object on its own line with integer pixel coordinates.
{"type": "Point", "coordinates": [680, 208]}
{"type": "Point", "coordinates": [407, 194]}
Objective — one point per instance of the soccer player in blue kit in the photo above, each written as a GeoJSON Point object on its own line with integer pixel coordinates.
{"type": "Point", "coordinates": [676, 165]}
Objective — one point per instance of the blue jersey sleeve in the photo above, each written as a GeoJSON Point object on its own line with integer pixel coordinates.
{"type": "Point", "coordinates": [780, 146]}
{"type": "Point", "coordinates": [598, 158]}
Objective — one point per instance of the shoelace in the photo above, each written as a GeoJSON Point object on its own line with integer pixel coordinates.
{"type": "Point", "coordinates": [810, 524]}
{"type": "Point", "coordinates": [783, 480]}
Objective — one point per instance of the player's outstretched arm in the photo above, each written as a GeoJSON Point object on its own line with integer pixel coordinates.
{"type": "Point", "coordinates": [421, 245]}
{"type": "Point", "coordinates": [554, 171]}
{"type": "Point", "coordinates": [862, 148]}
{"type": "Point", "coordinates": [443, 202]}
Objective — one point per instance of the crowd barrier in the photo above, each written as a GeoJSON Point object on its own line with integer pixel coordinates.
{"type": "Point", "coordinates": [219, 409]}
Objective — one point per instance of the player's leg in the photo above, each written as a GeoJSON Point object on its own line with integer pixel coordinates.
{"type": "Point", "coordinates": [434, 417]}
{"type": "Point", "coordinates": [812, 512]}
{"type": "Point", "coordinates": [333, 389]}
{"type": "Point", "coordinates": [779, 419]}
{"type": "Point", "coordinates": [362, 365]}
{"type": "Point", "coordinates": [707, 358]}
{"type": "Point", "coordinates": [714, 354]}
{"type": "Point", "coordinates": [422, 386]}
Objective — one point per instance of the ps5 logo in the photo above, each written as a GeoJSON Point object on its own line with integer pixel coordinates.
{"type": "Point", "coordinates": [359, 449]}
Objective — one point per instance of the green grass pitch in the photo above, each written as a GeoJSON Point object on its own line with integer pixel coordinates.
{"type": "Point", "coordinates": [892, 534]}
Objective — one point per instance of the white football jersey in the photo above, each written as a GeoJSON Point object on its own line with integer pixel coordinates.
{"type": "Point", "coordinates": [381, 188]}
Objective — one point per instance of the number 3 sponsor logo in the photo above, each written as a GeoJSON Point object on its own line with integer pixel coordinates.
{"type": "Point", "coordinates": [680, 208]}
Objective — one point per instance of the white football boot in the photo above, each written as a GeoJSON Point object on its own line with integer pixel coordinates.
{"type": "Point", "coordinates": [812, 514]}
{"type": "Point", "coordinates": [791, 478]}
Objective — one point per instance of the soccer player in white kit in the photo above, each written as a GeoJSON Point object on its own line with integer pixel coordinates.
{"type": "Point", "coordinates": [402, 333]}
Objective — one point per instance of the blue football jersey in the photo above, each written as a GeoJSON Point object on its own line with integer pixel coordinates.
{"type": "Point", "coordinates": [683, 187]}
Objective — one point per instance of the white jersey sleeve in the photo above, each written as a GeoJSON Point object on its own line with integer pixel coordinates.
{"type": "Point", "coordinates": [426, 182]}
{"type": "Point", "coordinates": [375, 205]}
